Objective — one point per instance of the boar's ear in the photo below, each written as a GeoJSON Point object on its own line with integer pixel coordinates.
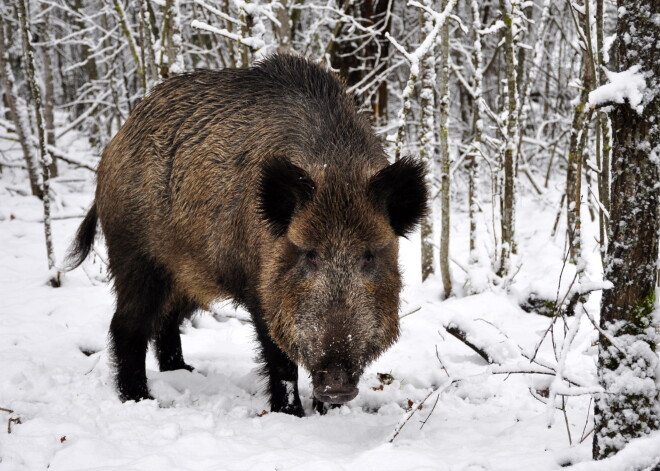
{"type": "Point", "coordinates": [401, 191]}
{"type": "Point", "coordinates": [283, 187]}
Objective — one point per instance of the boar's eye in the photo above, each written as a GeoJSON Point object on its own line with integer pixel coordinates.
{"type": "Point", "coordinates": [367, 260]}
{"type": "Point", "coordinates": [312, 259]}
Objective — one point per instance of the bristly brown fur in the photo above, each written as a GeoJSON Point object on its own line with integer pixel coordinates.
{"type": "Point", "coordinates": [263, 185]}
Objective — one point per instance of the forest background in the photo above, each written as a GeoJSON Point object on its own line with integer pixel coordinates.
{"type": "Point", "coordinates": [530, 115]}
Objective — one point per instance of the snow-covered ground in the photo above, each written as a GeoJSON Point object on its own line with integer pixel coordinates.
{"type": "Point", "coordinates": [56, 379]}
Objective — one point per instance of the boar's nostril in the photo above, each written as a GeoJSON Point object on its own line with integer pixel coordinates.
{"type": "Point", "coordinates": [334, 387]}
{"type": "Point", "coordinates": [336, 395]}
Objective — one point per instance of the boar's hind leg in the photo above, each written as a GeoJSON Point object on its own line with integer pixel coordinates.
{"type": "Point", "coordinates": [281, 372]}
{"type": "Point", "coordinates": [168, 339]}
{"type": "Point", "coordinates": [142, 290]}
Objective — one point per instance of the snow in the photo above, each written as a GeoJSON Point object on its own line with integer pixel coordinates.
{"type": "Point", "coordinates": [56, 377]}
{"type": "Point", "coordinates": [627, 86]}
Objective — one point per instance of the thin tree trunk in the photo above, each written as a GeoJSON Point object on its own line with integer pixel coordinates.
{"type": "Point", "coordinates": [445, 188]}
{"type": "Point", "coordinates": [49, 93]}
{"type": "Point", "coordinates": [131, 41]}
{"type": "Point", "coordinates": [579, 128]}
{"type": "Point", "coordinates": [284, 31]}
{"type": "Point", "coordinates": [426, 150]}
{"type": "Point", "coordinates": [509, 10]}
{"type": "Point", "coordinates": [477, 130]}
{"type": "Point", "coordinates": [147, 45]}
{"type": "Point", "coordinates": [28, 59]}
{"type": "Point", "coordinates": [246, 19]}
{"type": "Point", "coordinates": [172, 36]}
{"type": "Point", "coordinates": [532, 74]}
{"type": "Point", "coordinates": [628, 369]}
{"type": "Point", "coordinates": [18, 115]}
{"type": "Point", "coordinates": [604, 136]}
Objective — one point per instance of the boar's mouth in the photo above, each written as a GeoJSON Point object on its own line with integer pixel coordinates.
{"type": "Point", "coordinates": [334, 386]}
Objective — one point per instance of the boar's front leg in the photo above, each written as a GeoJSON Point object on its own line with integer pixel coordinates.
{"type": "Point", "coordinates": [281, 372]}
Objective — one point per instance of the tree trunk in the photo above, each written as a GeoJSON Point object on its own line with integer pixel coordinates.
{"type": "Point", "coordinates": [284, 30]}
{"type": "Point", "coordinates": [49, 92]}
{"type": "Point", "coordinates": [147, 45]}
{"type": "Point", "coordinates": [628, 369]}
{"type": "Point", "coordinates": [46, 160]}
{"type": "Point", "coordinates": [604, 134]}
{"type": "Point", "coordinates": [474, 155]}
{"type": "Point", "coordinates": [18, 115]}
{"type": "Point", "coordinates": [445, 187]}
{"type": "Point", "coordinates": [128, 33]}
{"type": "Point", "coordinates": [427, 150]}
{"type": "Point", "coordinates": [174, 63]}
{"type": "Point", "coordinates": [579, 128]}
{"type": "Point", "coordinates": [509, 10]}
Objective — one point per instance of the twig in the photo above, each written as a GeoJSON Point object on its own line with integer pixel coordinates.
{"type": "Point", "coordinates": [408, 416]}
{"type": "Point", "coordinates": [442, 365]}
{"type": "Point", "coordinates": [460, 335]}
{"type": "Point", "coordinates": [417, 406]}
{"type": "Point", "coordinates": [410, 312]}
{"type": "Point", "coordinates": [9, 411]}
{"type": "Point", "coordinates": [568, 429]}
{"type": "Point", "coordinates": [15, 420]}
{"type": "Point", "coordinates": [586, 421]}
{"type": "Point", "coordinates": [601, 331]}
{"type": "Point", "coordinates": [59, 154]}
{"type": "Point", "coordinates": [587, 435]}
{"type": "Point", "coordinates": [437, 398]}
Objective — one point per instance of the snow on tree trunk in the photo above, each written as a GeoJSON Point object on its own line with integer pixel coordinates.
{"type": "Point", "coordinates": [432, 24]}
{"type": "Point", "coordinates": [49, 92]}
{"type": "Point", "coordinates": [284, 30]}
{"type": "Point", "coordinates": [46, 159]}
{"type": "Point", "coordinates": [126, 28]}
{"type": "Point", "coordinates": [603, 133]}
{"type": "Point", "coordinates": [477, 128]}
{"type": "Point", "coordinates": [579, 129]}
{"type": "Point", "coordinates": [537, 59]}
{"type": "Point", "coordinates": [427, 150]}
{"type": "Point", "coordinates": [19, 115]}
{"type": "Point", "coordinates": [510, 16]}
{"type": "Point", "coordinates": [147, 40]}
{"type": "Point", "coordinates": [174, 64]}
{"type": "Point", "coordinates": [443, 94]}
{"type": "Point", "coordinates": [628, 369]}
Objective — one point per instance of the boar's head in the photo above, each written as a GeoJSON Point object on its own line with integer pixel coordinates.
{"type": "Point", "coordinates": [330, 280]}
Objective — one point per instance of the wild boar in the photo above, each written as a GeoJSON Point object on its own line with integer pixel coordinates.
{"type": "Point", "coordinates": [265, 186]}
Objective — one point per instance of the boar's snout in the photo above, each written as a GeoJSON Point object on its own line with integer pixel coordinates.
{"type": "Point", "coordinates": [334, 386]}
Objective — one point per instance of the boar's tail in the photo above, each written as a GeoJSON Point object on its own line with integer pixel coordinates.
{"type": "Point", "coordinates": [82, 244]}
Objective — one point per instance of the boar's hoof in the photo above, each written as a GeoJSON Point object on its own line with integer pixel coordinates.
{"type": "Point", "coordinates": [134, 392]}
{"type": "Point", "coordinates": [177, 366]}
{"type": "Point", "coordinates": [323, 407]}
{"type": "Point", "coordinates": [291, 409]}
{"type": "Point", "coordinates": [125, 397]}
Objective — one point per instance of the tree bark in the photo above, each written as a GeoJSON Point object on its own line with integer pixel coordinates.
{"type": "Point", "coordinates": [604, 136]}
{"type": "Point", "coordinates": [627, 369]}
{"type": "Point", "coordinates": [426, 150]}
{"type": "Point", "coordinates": [445, 181]}
{"type": "Point", "coordinates": [49, 86]}
{"type": "Point", "coordinates": [509, 10]}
